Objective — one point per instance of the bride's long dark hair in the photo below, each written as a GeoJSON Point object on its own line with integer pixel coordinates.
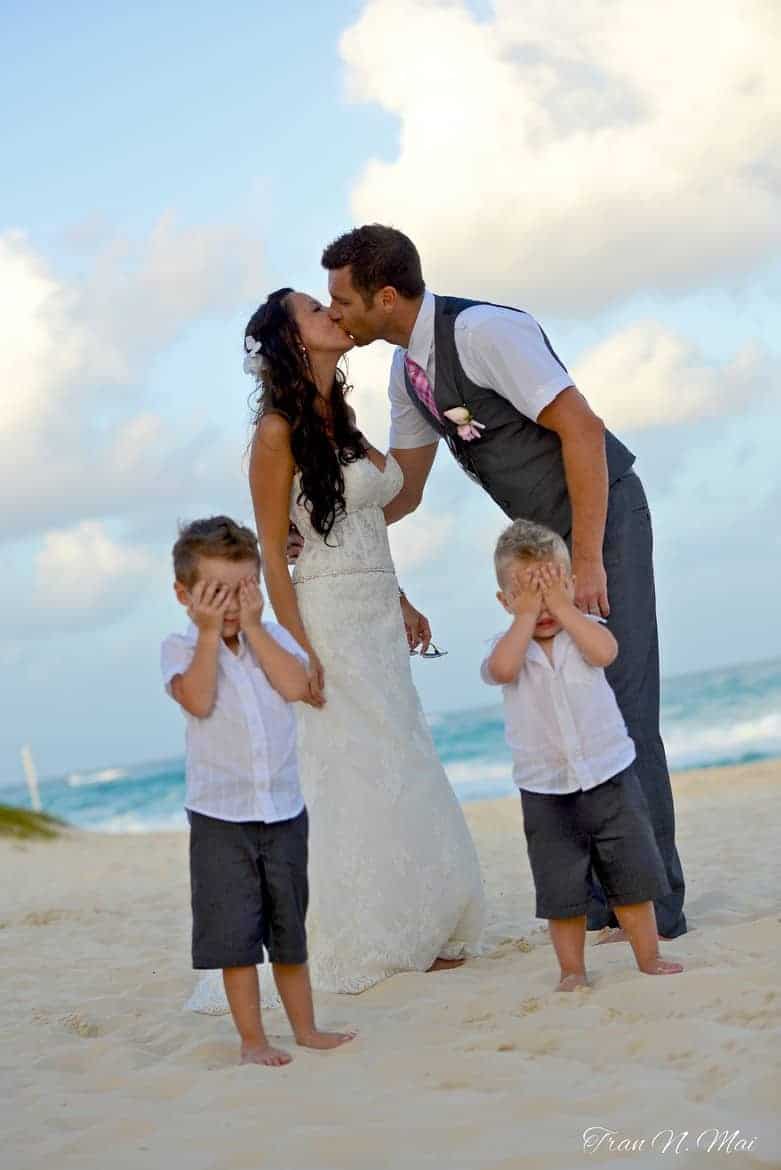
{"type": "Point", "coordinates": [286, 387]}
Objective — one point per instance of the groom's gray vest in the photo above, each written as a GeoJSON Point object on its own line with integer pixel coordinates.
{"type": "Point", "coordinates": [517, 461]}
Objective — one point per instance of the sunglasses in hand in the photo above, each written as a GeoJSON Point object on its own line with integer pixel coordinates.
{"type": "Point", "coordinates": [433, 651]}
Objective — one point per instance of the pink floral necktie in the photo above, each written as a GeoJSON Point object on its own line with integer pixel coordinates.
{"type": "Point", "coordinates": [421, 386]}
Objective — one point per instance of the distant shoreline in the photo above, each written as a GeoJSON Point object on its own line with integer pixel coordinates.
{"type": "Point", "coordinates": [685, 780]}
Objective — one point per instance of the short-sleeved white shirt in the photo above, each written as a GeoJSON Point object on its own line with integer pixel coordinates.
{"type": "Point", "coordinates": [241, 759]}
{"type": "Point", "coordinates": [499, 348]}
{"type": "Point", "coordinates": [562, 721]}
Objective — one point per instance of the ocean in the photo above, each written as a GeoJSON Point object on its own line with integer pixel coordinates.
{"type": "Point", "coordinates": [727, 716]}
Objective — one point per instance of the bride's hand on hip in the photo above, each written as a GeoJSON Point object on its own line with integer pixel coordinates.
{"type": "Point", "coordinates": [416, 625]}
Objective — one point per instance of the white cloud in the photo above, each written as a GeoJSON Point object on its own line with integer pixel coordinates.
{"type": "Point", "coordinates": [369, 369]}
{"type": "Point", "coordinates": [137, 299]}
{"type": "Point", "coordinates": [77, 435]}
{"type": "Point", "coordinates": [82, 575]}
{"type": "Point", "coordinates": [647, 376]}
{"type": "Point", "coordinates": [420, 538]}
{"type": "Point", "coordinates": [42, 346]}
{"type": "Point", "coordinates": [577, 152]}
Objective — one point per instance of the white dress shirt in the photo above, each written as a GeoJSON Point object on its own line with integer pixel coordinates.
{"type": "Point", "coordinates": [498, 348]}
{"type": "Point", "coordinates": [562, 721]}
{"type": "Point", "coordinates": [241, 760]}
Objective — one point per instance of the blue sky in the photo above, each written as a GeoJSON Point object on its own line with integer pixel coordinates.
{"type": "Point", "coordinates": [170, 166]}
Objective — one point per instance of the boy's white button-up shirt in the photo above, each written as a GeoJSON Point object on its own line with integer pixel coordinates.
{"type": "Point", "coordinates": [241, 760]}
{"type": "Point", "coordinates": [562, 721]}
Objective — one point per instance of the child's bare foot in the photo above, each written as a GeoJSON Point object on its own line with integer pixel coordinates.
{"type": "Point", "coordinates": [662, 967]}
{"type": "Point", "coordinates": [324, 1040]}
{"type": "Point", "coordinates": [264, 1054]}
{"type": "Point", "coordinates": [572, 982]}
{"type": "Point", "coordinates": [446, 964]}
{"type": "Point", "coordinates": [610, 934]}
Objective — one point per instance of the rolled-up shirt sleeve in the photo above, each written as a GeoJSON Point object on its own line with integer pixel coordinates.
{"type": "Point", "coordinates": [508, 352]}
{"type": "Point", "coordinates": [408, 427]}
{"type": "Point", "coordinates": [176, 654]}
{"type": "Point", "coordinates": [485, 673]}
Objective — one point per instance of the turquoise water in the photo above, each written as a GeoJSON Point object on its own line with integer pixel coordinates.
{"type": "Point", "coordinates": [727, 716]}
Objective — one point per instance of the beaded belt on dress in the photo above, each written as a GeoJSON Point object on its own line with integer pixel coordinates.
{"type": "Point", "coordinates": [337, 573]}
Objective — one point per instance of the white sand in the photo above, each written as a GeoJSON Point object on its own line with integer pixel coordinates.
{"type": "Point", "coordinates": [484, 1068]}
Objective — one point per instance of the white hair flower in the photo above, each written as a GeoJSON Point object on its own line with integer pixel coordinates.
{"type": "Point", "coordinates": [252, 361]}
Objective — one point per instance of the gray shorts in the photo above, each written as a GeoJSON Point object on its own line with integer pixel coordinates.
{"type": "Point", "coordinates": [249, 890]}
{"type": "Point", "coordinates": [607, 827]}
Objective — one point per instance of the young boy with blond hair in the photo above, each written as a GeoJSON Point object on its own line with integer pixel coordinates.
{"type": "Point", "coordinates": [235, 678]}
{"type": "Point", "coordinates": [572, 756]}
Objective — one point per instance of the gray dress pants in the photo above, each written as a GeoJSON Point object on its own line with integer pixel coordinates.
{"type": "Point", "coordinates": [634, 676]}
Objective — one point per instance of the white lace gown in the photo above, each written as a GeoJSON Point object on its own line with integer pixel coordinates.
{"type": "Point", "coordinates": [393, 873]}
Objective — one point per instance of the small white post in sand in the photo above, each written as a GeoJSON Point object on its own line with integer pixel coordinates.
{"type": "Point", "coordinates": [32, 778]}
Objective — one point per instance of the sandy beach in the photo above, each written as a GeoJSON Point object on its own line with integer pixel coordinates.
{"type": "Point", "coordinates": [482, 1068]}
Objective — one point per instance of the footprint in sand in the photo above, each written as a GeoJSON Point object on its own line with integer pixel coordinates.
{"type": "Point", "coordinates": [80, 1025]}
{"type": "Point", "coordinates": [527, 1006]}
{"type": "Point", "coordinates": [486, 1018]}
{"type": "Point", "coordinates": [543, 1046]}
{"type": "Point", "coordinates": [508, 945]}
{"type": "Point", "coordinates": [45, 917]}
{"type": "Point", "coordinates": [713, 1079]}
{"type": "Point", "coordinates": [681, 1059]}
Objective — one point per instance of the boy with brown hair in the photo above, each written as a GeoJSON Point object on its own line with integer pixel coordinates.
{"type": "Point", "coordinates": [235, 678]}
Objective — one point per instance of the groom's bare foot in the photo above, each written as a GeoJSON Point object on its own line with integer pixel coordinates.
{"type": "Point", "coordinates": [264, 1054]}
{"type": "Point", "coordinates": [324, 1040]}
{"type": "Point", "coordinates": [446, 964]}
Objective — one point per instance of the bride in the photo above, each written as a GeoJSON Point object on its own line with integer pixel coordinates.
{"type": "Point", "coordinates": [394, 877]}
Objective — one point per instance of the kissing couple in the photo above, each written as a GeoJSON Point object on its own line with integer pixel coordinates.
{"type": "Point", "coordinates": [393, 871]}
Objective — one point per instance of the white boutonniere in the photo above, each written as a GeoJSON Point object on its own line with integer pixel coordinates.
{"type": "Point", "coordinates": [468, 426]}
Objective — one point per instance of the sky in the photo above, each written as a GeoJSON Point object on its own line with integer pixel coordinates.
{"type": "Point", "coordinates": [611, 168]}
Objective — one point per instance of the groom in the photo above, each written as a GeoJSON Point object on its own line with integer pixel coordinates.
{"type": "Point", "coordinates": [541, 453]}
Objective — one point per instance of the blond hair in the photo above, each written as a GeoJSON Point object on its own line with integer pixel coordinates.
{"type": "Point", "coordinates": [525, 540]}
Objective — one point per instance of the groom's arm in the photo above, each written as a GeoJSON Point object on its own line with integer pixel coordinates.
{"type": "Point", "coordinates": [509, 352]}
{"type": "Point", "coordinates": [582, 435]}
{"type": "Point", "coordinates": [416, 463]}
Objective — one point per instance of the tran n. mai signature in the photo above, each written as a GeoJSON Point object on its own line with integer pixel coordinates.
{"type": "Point", "coordinates": [666, 1141]}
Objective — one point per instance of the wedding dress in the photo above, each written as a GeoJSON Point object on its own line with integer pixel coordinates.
{"type": "Point", "coordinates": [393, 873]}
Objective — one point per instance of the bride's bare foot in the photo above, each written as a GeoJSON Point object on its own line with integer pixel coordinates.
{"type": "Point", "coordinates": [572, 982]}
{"type": "Point", "coordinates": [662, 967]}
{"type": "Point", "coordinates": [324, 1040]}
{"type": "Point", "coordinates": [446, 964]}
{"type": "Point", "coordinates": [264, 1054]}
